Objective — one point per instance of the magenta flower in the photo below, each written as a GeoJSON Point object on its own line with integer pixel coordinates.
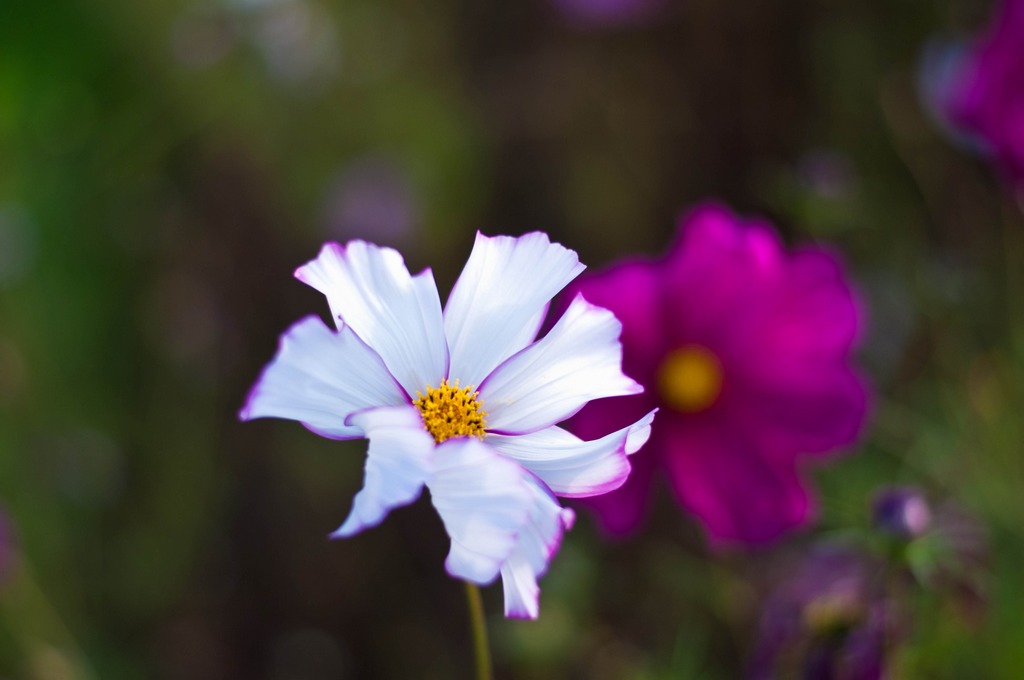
{"type": "Point", "coordinates": [747, 350]}
{"type": "Point", "coordinates": [987, 95]}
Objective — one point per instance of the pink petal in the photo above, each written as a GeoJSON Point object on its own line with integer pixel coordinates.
{"type": "Point", "coordinates": [813, 410]}
{"type": "Point", "coordinates": [720, 269]}
{"type": "Point", "coordinates": [812, 314]}
{"type": "Point", "coordinates": [739, 495]}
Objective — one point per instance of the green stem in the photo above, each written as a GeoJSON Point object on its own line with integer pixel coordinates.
{"type": "Point", "coordinates": [479, 624]}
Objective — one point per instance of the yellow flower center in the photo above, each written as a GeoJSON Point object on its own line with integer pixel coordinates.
{"type": "Point", "coordinates": [832, 612]}
{"type": "Point", "coordinates": [690, 379]}
{"type": "Point", "coordinates": [451, 411]}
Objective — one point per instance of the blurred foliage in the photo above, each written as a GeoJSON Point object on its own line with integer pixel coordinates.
{"type": "Point", "coordinates": [164, 167]}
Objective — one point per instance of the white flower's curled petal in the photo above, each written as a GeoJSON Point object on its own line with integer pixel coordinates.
{"type": "Point", "coordinates": [398, 315]}
{"type": "Point", "coordinates": [397, 465]}
{"type": "Point", "coordinates": [500, 299]}
{"type": "Point", "coordinates": [579, 360]}
{"type": "Point", "coordinates": [522, 594]}
{"type": "Point", "coordinates": [319, 377]}
{"type": "Point", "coordinates": [538, 542]}
{"type": "Point", "coordinates": [483, 501]}
{"type": "Point", "coordinates": [570, 466]}
{"type": "Point", "coordinates": [638, 433]}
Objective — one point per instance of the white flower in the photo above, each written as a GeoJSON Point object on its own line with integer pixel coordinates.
{"type": "Point", "coordinates": [464, 401]}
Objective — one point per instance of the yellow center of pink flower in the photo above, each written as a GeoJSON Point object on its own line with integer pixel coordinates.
{"type": "Point", "coordinates": [451, 411]}
{"type": "Point", "coordinates": [690, 379]}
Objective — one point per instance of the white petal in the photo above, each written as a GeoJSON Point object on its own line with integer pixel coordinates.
{"type": "Point", "coordinates": [483, 501]}
{"type": "Point", "coordinates": [398, 315]}
{"type": "Point", "coordinates": [319, 377]}
{"type": "Point", "coordinates": [500, 300]}
{"type": "Point", "coordinates": [579, 360]}
{"type": "Point", "coordinates": [397, 465]}
{"type": "Point", "coordinates": [570, 466]}
{"type": "Point", "coordinates": [538, 542]}
{"type": "Point", "coordinates": [522, 594]}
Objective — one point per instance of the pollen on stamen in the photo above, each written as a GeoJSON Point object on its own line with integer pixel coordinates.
{"type": "Point", "coordinates": [451, 411]}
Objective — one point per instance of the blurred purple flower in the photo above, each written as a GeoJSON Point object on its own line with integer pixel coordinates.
{"type": "Point", "coordinates": [938, 80]}
{"type": "Point", "coordinates": [829, 620]}
{"type": "Point", "coordinates": [589, 13]}
{"type": "Point", "coordinates": [901, 511]}
{"type": "Point", "coordinates": [946, 548]}
{"type": "Point", "coordinates": [827, 173]}
{"type": "Point", "coordinates": [747, 350]}
{"type": "Point", "coordinates": [373, 199]}
{"type": "Point", "coordinates": [986, 95]}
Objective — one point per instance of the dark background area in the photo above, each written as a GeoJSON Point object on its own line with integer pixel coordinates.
{"type": "Point", "coordinates": [165, 166]}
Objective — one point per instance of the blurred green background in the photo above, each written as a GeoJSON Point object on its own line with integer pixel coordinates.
{"type": "Point", "coordinates": [164, 167]}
